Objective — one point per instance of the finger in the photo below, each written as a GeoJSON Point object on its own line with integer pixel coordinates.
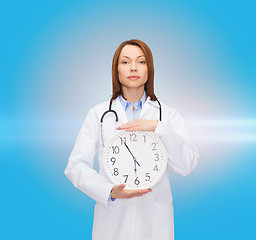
{"type": "Point", "coordinates": [132, 126]}
{"type": "Point", "coordinates": [136, 125]}
{"type": "Point", "coordinates": [121, 127]}
{"type": "Point", "coordinates": [121, 187]}
{"type": "Point", "coordinates": [139, 192]}
{"type": "Point", "coordinates": [124, 126]}
{"type": "Point", "coordinates": [135, 128]}
{"type": "Point", "coordinates": [129, 124]}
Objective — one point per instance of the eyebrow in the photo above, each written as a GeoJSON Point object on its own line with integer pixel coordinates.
{"type": "Point", "coordinates": [137, 57]}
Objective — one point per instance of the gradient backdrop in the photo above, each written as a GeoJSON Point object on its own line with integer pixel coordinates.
{"type": "Point", "coordinates": [55, 64]}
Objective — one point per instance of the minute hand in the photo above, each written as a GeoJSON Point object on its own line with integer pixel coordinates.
{"type": "Point", "coordinates": [134, 158]}
{"type": "Point", "coordinates": [129, 150]}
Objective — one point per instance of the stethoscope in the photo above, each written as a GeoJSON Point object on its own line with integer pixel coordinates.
{"type": "Point", "coordinates": [113, 111]}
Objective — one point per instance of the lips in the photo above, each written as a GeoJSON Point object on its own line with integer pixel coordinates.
{"type": "Point", "coordinates": [133, 77]}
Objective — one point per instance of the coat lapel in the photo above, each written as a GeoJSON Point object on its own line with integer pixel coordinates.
{"type": "Point", "coordinates": [117, 106]}
{"type": "Point", "coordinates": [146, 107]}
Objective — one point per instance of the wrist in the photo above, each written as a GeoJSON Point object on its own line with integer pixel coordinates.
{"type": "Point", "coordinates": [112, 198]}
{"type": "Point", "coordinates": [155, 124]}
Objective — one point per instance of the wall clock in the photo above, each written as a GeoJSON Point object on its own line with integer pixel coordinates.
{"type": "Point", "coordinates": [136, 158]}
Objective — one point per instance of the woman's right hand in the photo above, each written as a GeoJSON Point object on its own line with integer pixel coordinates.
{"type": "Point", "coordinates": [118, 191]}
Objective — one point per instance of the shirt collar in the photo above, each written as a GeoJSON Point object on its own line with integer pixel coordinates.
{"type": "Point", "coordinates": [125, 103]}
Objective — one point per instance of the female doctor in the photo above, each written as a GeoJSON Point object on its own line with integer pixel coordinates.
{"type": "Point", "coordinates": [122, 214]}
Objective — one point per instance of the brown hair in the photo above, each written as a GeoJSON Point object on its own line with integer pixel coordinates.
{"type": "Point", "coordinates": [149, 85]}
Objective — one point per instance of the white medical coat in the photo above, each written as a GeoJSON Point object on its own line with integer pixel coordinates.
{"type": "Point", "coordinates": [148, 217]}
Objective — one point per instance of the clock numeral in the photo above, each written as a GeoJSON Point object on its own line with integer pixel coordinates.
{"type": "Point", "coordinates": [157, 157]}
{"type": "Point", "coordinates": [116, 171]}
{"type": "Point", "coordinates": [126, 177]}
{"type": "Point", "coordinates": [113, 160]}
{"type": "Point", "coordinates": [133, 137]}
{"type": "Point", "coordinates": [123, 140]}
{"type": "Point", "coordinates": [136, 181]}
{"type": "Point", "coordinates": [144, 137]}
{"type": "Point", "coordinates": [147, 177]}
{"type": "Point", "coordinates": [115, 149]}
{"type": "Point", "coordinates": [154, 146]}
{"type": "Point", "coordinates": [155, 168]}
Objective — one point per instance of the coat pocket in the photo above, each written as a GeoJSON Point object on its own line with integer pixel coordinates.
{"type": "Point", "coordinates": [102, 223]}
{"type": "Point", "coordinates": [163, 226]}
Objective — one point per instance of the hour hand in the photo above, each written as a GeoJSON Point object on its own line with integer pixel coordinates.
{"type": "Point", "coordinates": [136, 161]}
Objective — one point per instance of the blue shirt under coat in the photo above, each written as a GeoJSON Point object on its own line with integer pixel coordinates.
{"type": "Point", "coordinates": [130, 113]}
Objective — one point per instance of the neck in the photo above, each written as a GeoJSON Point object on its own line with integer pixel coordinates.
{"type": "Point", "coordinates": [133, 94]}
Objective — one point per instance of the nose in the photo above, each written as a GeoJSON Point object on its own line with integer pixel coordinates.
{"type": "Point", "coordinates": [133, 66]}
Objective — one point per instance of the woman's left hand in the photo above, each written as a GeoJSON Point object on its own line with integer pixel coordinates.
{"type": "Point", "coordinates": [139, 125]}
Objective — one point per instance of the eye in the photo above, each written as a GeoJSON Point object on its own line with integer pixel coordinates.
{"type": "Point", "coordinates": [142, 62]}
{"type": "Point", "coordinates": [124, 62]}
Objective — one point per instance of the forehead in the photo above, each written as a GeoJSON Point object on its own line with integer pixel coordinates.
{"type": "Point", "coordinates": [131, 51]}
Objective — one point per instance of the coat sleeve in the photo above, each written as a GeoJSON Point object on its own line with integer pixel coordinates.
{"type": "Point", "coordinates": [80, 170]}
{"type": "Point", "coordinates": [182, 153]}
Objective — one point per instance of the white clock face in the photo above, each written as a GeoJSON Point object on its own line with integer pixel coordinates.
{"type": "Point", "coordinates": [137, 158]}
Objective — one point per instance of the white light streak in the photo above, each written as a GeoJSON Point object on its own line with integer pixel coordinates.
{"type": "Point", "coordinates": [238, 130]}
{"type": "Point", "coordinates": [57, 129]}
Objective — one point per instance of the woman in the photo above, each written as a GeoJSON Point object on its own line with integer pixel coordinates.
{"type": "Point", "coordinates": [131, 214]}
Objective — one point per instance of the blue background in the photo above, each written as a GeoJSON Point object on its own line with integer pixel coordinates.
{"type": "Point", "coordinates": [55, 64]}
